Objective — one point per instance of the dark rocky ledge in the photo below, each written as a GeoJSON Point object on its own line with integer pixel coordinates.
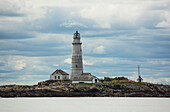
{"type": "Point", "coordinates": [67, 89]}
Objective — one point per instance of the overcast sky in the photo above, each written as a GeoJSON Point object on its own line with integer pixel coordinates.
{"type": "Point", "coordinates": [117, 35]}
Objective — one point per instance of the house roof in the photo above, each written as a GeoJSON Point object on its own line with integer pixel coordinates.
{"type": "Point", "coordinates": [86, 73]}
{"type": "Point", "coordinates": [84, 77]}
{"type": "Point", "coordinates": [61, 72]}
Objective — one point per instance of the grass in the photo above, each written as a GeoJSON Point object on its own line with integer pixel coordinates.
{"type": "Point", "coordinates": [107, 82]}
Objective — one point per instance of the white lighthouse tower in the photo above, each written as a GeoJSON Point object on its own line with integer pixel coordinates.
{"type": "Point", "coordinates": [77, 63]}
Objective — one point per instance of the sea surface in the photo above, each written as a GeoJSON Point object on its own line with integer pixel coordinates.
{"type": "Point", "coordinates": [85, 104]}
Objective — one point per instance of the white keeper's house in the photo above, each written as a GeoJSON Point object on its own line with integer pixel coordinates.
{"type": "Point", "coordinates": [59, 75]}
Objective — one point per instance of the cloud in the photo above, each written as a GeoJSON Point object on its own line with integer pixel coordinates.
{"type": "Point", "coordinates": [104, 72]}
{"type": "Point", "coordinates": [11, 10]}
{"type": "Point", "coordinates": [124, 15]}
{"type": "Point", "coordinates": [30, 10]}
{"type": "Point", "coordinates": [165, 23]}
{"type": "Point", "coordinates": [40, 67]}
{"type": "Point", "coordinates": [22, 66]}
{"type": "Point", "coordinates": [113, 13]}
{"type": "Point", "coordinates": [99, 50]}
{"type": "Point", "coordinates": [15, 35]}
{"type": "Point", "coordinates": [19, 17]}
{"type": "Point", "coordinates": [56, 65]}
{"type": "Point", "coordinates": [24, 80]}
{"type": "Point", "coordinates": [13, 64]}
{"type": "Point", "coordinates": [68, 60]}
{"type": "Point", "coordinates": [87, 63]}
{"type": "Point", "coordinates": [157, 80]}
{"type": "Point", "coordinates": [37, 46]}
{"type": "Point", "coordinates": [120, 14]}
{"type": "Point", "coordinates": [19, 65]}
{"type": "Point", "coordinates": [71, 24]}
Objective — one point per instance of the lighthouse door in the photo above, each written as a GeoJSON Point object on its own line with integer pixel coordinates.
{"type": "Point", "coordinates": [95, 80]}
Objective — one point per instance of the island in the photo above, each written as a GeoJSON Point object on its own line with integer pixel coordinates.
{"type": "Point", "coordinates": [109, 87]}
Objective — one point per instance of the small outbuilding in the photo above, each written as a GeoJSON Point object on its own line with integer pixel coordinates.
{"type": "Point", "coordinates": [85, 78]}
{"type": "Point", "coordinates": [139, 79]}
{"type": "Point", "coordinates": [59, 75]}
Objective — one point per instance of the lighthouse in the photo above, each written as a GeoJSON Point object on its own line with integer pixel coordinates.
{"type": "Point", "coordinates": [77, 63]}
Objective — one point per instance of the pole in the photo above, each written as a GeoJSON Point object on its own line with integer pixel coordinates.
{"type": "Point", "coordinates": [138, 70]}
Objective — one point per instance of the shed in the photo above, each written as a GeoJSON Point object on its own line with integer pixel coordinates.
{"type": "Point", "coordinates": [139, 79]}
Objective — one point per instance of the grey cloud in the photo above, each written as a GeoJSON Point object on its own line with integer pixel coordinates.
{"type": "Point", "coordinates": [15, 35]}
{"type": "Point", "coordinates": [10, 14]}
{"type": "Point", "coordinates": [6, 71]}
{"type": "Point", "coordinates": [11, 9]}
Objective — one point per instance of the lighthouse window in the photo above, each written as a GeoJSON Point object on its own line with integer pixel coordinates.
{"type": "Point", "coordinates": [76, 66]}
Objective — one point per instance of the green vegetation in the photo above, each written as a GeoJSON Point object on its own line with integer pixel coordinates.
{"type": "Point", "coordinates": [107, 80]}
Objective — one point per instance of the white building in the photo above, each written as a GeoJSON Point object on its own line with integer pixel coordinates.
{"type": "Point", "coordinates": [59, 75]}
{"type": "Point", "coordinates": [77, 75]}
{"type": "Point", "coordinates": [85, 78]}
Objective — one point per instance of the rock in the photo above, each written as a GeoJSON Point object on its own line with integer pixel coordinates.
{"type": "Point", "coordinates": [67, 89]}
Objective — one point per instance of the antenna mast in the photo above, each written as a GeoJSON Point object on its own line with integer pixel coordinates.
{"type": "Point", "coordinates": [138, 70]}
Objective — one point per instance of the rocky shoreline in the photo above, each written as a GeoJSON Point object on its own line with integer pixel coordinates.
{"type": "Point", "coordinates": [67, 89]}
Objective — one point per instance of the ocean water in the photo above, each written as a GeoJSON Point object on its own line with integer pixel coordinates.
{"type": "Point", "coordinates": [85, 104]}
